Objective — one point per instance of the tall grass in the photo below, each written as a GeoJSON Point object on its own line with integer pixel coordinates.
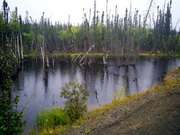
{"type": "Point", "coordinates": [50, 118]}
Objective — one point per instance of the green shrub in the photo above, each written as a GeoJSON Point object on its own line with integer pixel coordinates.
{"type": "Point", "coordinates": [76, 96]}
{"type": "Point", "coordinates": [10, 119]}
{"type": "Point", "coordinates": [11, 122]}
{"type": "Point", "coordinates": [49, 118]}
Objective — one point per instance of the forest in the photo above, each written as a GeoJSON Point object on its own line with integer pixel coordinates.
{"type": "Point", "coordinates": [106, 32]}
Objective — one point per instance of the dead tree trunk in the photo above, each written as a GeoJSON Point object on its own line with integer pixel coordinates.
{"type": "Point", "coordinates": [85, 55]}
{"type": "Point", "coordinates": [21, 45]}
{"type": "Point", "coordinates": [77, 57]}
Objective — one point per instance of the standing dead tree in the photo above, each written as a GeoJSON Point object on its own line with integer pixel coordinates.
{"type": "Point", "coordinates": [145, 19]}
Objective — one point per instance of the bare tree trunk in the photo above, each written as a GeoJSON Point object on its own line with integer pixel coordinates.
{"type": "Point", "coordinates": [21, 43]}
{"type": "Point", "coordinates": [105, 58]}
{"type": "Point", "coordinates": [47, 61]}
{"type": "Point", "coordinates": [32, 42]}
{"type": "Point", "coordinates": [43, 50]}
{"type": "Point", "coordinates": [42, 53]}
{"type": "Point", "coordinates": [77, 57]}
{"type": "Point", "coordinates": [18, 48]}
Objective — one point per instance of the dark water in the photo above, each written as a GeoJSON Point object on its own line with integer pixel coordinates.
{"type": "Point", "coordinates": [39, 87]}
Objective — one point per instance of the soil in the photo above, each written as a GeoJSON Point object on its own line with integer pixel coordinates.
{"type": "Point", "coordinates": [154, 112]}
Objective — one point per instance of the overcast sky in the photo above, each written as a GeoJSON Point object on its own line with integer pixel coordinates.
{"type": "Point", "coordinates": [58, 10]}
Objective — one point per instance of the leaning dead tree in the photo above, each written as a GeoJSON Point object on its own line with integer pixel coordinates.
{"type": "Point", "coordinates": [77, 57]}
{"type": "Point", "coordinates": [82, 59]}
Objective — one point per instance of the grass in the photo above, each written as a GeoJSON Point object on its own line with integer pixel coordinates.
{"type": "Point", "coordinates": [65, 54]}
{"type": "Point", "coordinates": [50, 118]}
{"type": "Point", "coordinates": [73, 55]}
{"type": "Point", "coordinates": [159, 55]}
{"type": "Point", "coordinates": [76, 54]}
{"type": "Point", "coordinates": [29, 55]}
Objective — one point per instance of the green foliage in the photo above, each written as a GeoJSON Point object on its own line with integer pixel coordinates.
{"type": "Point", "coordinates": [76, 96]}
{"type": "Point", "coordinates": [64, 35]}
{"type": "Point", "coordinates": [8, 62]}
{"type": "Point", "coordinates": [49, 118]}
{"type": "Point", "coordinates": [40, 37]}
{"type": "Point", "coordinates": [10, 119]}
{"type": "Point", "coordinates": [27, 41]}
{"type": "Point", "coordinates": [74, 30]}
{"type": "Point", "coordinates": [28, 36]}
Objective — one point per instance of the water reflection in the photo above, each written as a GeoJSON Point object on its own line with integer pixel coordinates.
{"type": "Point", "coordinates": [46, 77]}
{"type": "Point", "coordinates": [45, 83]}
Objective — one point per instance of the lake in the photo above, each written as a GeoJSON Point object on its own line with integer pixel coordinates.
{"type": "Point", "coordinates": [39, 87]}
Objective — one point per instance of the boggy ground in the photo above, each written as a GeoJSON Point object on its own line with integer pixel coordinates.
{"type": "Point", "coordinates": [154, 112]}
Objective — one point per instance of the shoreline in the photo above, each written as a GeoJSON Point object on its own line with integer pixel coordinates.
{"type": "Point", "coordinates": [149, 112]}
{"type": "Point", "coordinates": [148, 107]}
{"type": "Point", "coordinates": [102, 54]}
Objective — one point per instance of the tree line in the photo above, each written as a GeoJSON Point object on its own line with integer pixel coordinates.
{"type": "Point", "coordinates": [108, 33]}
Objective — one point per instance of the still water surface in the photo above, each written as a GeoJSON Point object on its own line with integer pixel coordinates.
{"type": "Point", "coordinates": [40, 87]}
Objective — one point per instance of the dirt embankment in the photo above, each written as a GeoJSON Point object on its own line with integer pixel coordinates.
{"type": "Point", "coordinates": [154, 112]}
